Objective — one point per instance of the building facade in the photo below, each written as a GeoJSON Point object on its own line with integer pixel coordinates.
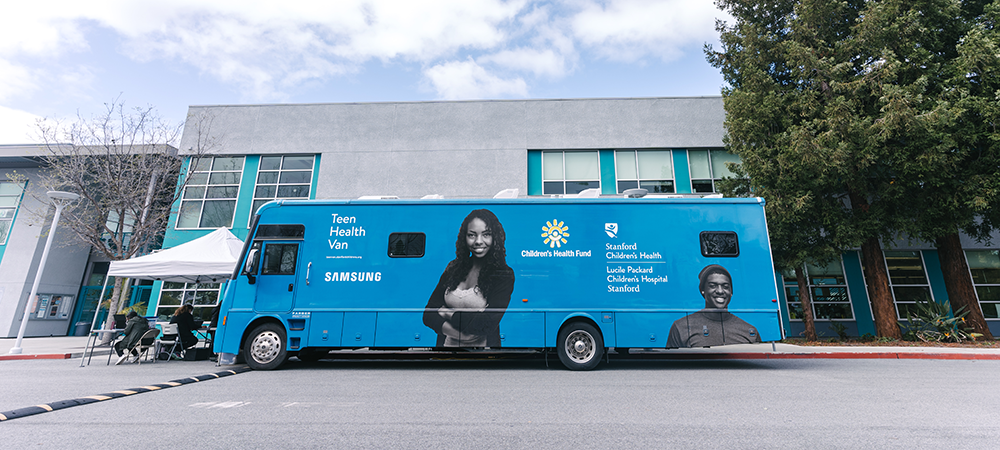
{"type": "Point", "coordinates": [25, 219]}
{"type": "Point", "coordinates": [669, 146]}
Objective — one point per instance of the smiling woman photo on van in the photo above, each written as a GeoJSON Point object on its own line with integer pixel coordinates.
{"type": "Point", "coordinates": [473, 292]}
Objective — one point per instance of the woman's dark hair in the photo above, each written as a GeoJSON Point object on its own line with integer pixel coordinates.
{"type": "Point", "coordinates": [495, 261]}
{"type": "Point", "coordinates": [131, 314]}
{"type": "Point", "coordinates": [709, 270]}
{"type": "Point", "coordinates": [183, 309]}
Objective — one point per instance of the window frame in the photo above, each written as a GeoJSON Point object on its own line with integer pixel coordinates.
{"type": "Point", "coordinates": [976, 286]}
{"type": "Point", "coordinates": [791, 282]}
{"type": "Point", "coordinates": [204, 196]}
{"type": "Point", "coordinates": [892, 286]}
{"type": "Point", "coordinates": [714, 180]}
{"type": "Point", "coordinates": [194, 289]}
{"type": "Point", "coordinates": [638, 179]}
{"type": "Point", "coordinates": [18, 196]}
{"type": "Point", "coordinates": [565, 179]}
{"type": "Point", "coordinates": [277, 185]}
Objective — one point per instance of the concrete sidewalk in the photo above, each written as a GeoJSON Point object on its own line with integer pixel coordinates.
{"type": "Point", "coordinates": [55, 347]}
{"type": "Point", "coordinates": [64, 347]}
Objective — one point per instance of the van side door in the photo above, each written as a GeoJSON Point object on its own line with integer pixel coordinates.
{"type": "Point", "coordinates": [277, 279]}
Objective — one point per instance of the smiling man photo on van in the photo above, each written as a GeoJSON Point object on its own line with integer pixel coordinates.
{"type": "Point", "coordinates": [714, 325]}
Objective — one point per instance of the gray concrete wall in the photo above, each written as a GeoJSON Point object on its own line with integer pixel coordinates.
{"type": "Point", "coordinates": [63, 272]}
{"type": "Point", "coordinates": [456, 149]}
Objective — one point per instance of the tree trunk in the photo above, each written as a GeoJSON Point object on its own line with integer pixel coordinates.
{"type": "Point", "coordinates": [877, 279]}
{"type": "Point", "coordinates": [119, 292]}
{"type": "Point", "coordinates": [958, 283]}
{"type": "Point", "coordinates": [805, 297]}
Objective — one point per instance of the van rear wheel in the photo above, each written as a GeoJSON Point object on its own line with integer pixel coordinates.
{"type": "Point", "coordinates": [581, 346]}
{"type": "Point", "coordinates": [264, 349]}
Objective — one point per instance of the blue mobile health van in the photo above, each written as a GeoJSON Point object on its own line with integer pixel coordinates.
{"type": "Point", "coordinates": [573, 275]}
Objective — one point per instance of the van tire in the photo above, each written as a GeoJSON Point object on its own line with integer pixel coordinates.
{"type": "Point", "coordinates": [581, 346]}
{"type": "Point", "coordinates": [264, 348]}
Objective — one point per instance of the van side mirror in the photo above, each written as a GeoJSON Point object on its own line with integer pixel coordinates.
{"type": "Point", "coordinates": [250, 267]}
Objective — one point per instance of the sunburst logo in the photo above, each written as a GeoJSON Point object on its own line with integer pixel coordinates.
{"type": "Point", "coordinates": [555, 233]}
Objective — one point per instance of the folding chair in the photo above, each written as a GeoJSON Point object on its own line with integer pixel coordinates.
{"type": "Point", "coordinates": [146, 342]}
{"type": "Point", "coordinates": [170, 338]}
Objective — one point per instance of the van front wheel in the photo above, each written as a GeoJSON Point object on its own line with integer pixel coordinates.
{"type": "Point", "coordinates": [264, 349]}
{"type": "Point", "coordinates": [580, 346]}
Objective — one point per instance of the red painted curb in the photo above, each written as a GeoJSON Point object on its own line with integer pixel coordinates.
{"type": "Point", "coordinates": [47, 356]}
{"type": "Point", "coordinates": [834, 355]}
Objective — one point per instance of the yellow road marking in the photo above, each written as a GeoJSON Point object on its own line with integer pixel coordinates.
{"type": "Point", "coordinates": [45, 407]}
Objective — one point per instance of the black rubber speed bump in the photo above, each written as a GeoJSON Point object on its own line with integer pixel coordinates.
{"type": "Point", "coordinates": [48, 407]}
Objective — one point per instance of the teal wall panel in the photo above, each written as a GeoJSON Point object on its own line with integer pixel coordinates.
{"type": "Point", "coordinates": [859, 293]}
{"type": "Point", "coordinates": [682, 174]}
{"type": "Point", "coordinates": [609, 184]}
{"type": "Point", "coordinates": [935, 275]}
{"type": "Point", "coordinates": [315, 180]}
{"type": "Point", "coordinates": [534, 172]}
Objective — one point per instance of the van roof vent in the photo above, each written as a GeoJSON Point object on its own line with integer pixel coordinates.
{"type": "Point", "coordinates": [378, 197]}
{"type": "Point", "coordinates": [507, 193]}
{"type": "Point", "coordinates": [635, 193]}
{"type": "Point", "coordinates": [431, 196]}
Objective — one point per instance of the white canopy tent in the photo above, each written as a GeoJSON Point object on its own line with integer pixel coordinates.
{"type": "Point", "coordinates": [208, 259]}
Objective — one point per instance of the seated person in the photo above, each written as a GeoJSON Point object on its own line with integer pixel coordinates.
{"type": "Point", "coordinates": [185, 326]}
{"type": "Point", "coordinates": [135, 327]}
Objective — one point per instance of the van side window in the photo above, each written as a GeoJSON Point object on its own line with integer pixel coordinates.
{"type": "Point", "coordinates": [719, 243]}
{"type": "Point", "coordinates": [281, 231]}
{"type": "Point", "coordinates": [279, 259]}
{"type": "Point", "coordinates": [406, 245]}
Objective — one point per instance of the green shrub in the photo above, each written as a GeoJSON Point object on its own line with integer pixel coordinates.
{"type": "Point", "coordinates": [932, 322]}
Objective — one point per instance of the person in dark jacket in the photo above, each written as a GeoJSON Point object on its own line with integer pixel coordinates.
{"type": "Point", "coordinates": [473, 293]}
{"type": "Point", "coordinates": [135, 327]}
{"type": "Point", "coordinates": [185, 326]}
{"type": "Point", "coordinates": [714, 325]}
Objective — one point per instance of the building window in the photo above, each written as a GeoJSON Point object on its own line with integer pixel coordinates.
{"type": "Point", "coordinates": [203, 296]}
{"type": "Point", "coordinates": [708, 167]}
{"type": "Point", "coordinates": [652, 170]}
{"type": "Point", "coordinates": [908, 280]}
{"type": "Point", "coordinates": [10, 196]}
{"type": "Point", "coordinates": [285, 177]}
{"type": "Point", "coordinates": [828, 287]}
{"type": "Point", "coordinates": [570, 172]}
{"type": "Point", "coordinates": [209, 200]}
{"type": "Point", "coordinates": [985, 268]}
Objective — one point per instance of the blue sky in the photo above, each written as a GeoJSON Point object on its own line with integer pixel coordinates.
{"type": "Point", "coordinates": [61, 58]}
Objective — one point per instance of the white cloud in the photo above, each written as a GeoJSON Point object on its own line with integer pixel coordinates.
{"type": "Point", "coordinates": [628, 30]}
{"type": "Point", "coordinates": [545, 62]}
{"type": "Point", "coordinates": [267, 49]}
{"type": "Point", "coordinates": [15, 79]}
{"type": "Point", "coordinates": [17, 127]}
{"type": "Point", "coordinates": [460, 80]}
